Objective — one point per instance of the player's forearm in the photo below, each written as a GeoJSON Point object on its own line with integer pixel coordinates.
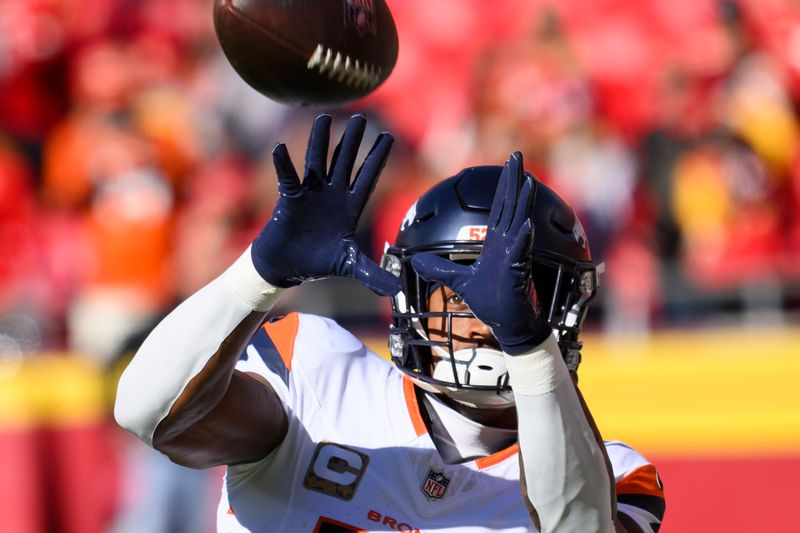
{"type": "Point", "coordinates": [196, 345]}
{"type": "Point", "coordinates": [564, 468]}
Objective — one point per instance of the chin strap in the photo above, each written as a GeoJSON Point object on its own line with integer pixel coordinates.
{"type": "Point", "coordinates": [477, 399]}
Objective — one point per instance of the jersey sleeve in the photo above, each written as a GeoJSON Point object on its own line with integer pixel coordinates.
{"type": "Point", "coordinates": [270, 353]}
{"type": "Point", "coordinates": [640, 493]}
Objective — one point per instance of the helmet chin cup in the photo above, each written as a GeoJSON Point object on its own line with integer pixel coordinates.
{"type": "Point", "coordinates": [482, 367]}
{"type": "Point", "coordinates": [477, 399]}
{"type": "Point", "coordinates": [473, 366]}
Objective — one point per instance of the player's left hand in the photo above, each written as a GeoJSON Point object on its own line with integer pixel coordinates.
{"type": "Point", "coordinates": [497, 286]}
{"type": "Point", "coordinates": [311, 234]}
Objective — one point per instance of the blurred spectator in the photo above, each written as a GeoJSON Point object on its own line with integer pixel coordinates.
{"type": "Point", "coordinates": [596, 173]}
{"type": "Point", "coordinates": [107, 173]}
{"type": "Point", "coordinates": [756, 106]}
{"type": "Point", "coordinates": [530, 91]}
{"type": "Point", "coordinates": [32, 48]}
{"type": "Point", "coordinates": [23, 278]}
{"type": "Point", "coordinates": [220, 216]}
{"type": "Point", "coordinates": [726, 208]}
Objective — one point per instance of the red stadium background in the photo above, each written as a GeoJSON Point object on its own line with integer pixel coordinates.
{"type": "Point", "coordinates": [134, 166]}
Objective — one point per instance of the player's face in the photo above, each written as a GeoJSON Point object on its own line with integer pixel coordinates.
{"type": "Point", "coordinates": [467, 332]}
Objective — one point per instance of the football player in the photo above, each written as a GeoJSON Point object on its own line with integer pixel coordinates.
{"type": "Point", "coordinates": [478, 426]}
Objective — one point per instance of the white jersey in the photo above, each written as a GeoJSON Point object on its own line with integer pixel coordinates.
{"type": "Point", "coordinates": [358, 457]}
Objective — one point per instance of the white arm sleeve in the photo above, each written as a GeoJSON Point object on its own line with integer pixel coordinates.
{"type": "Point", "coordinates": [183, 342]}
{"type": "Point", "coordinates": [565, 471]}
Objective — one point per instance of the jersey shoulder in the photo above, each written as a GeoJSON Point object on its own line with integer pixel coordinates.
{"type": "Point", "coordinates": [330, 382]}
{"type": "Point", "coordinates": [322, 342]}
{"type": "Point", "coordinates": [640, 492]}
{"type": "Point", "coordinates": [628, 464]}
{"type": "Point", "coordinates": [315, 346]}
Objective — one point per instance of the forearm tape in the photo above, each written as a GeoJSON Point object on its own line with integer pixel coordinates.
{"type": "Point", "coordinates": [565, 471]}
{"type": "Point", "coordinates": [183, 342]}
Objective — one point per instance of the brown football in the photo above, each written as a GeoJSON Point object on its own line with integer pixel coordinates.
{"type": "Point", "coordinates": [308, 52]}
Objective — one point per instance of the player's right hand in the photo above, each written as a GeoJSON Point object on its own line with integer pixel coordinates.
{"type": "Point", "coordinates": [311, 234]}
{"type": "Point", "coordinates": [498, 286]}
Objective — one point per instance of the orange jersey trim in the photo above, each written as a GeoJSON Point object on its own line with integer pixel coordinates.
{"type": "Point", "coordinates": [283, 333]}
{"type": "Point", "coordinates": [413, 407]}
{"type": "Point", "coordinates": [643, 480]}
{"type": "Point", "coordinates": [497, 457]}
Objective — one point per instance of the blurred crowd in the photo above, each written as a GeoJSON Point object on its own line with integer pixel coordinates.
{"type": "Point", "coordinates": [135, 165]}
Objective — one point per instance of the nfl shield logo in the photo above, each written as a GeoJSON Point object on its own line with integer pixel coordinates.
{"type": "Point", "coordinates": [435, 485]}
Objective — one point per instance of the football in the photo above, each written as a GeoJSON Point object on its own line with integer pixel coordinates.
{"type": "Point", "coordinates": [308, 52]}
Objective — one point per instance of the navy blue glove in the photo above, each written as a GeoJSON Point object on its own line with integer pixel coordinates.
{"type": "Point", "coordinates": [497, 286]}
{"type": "Point", "coordinates": [311, 234]}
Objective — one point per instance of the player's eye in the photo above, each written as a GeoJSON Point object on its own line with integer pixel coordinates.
{"type": "Point", "coordinates": [455, 299]}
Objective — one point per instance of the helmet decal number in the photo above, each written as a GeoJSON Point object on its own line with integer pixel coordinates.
{"type": "Point", "coordinates": [471, 233]}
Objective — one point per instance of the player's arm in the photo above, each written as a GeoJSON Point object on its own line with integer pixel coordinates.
{"type": "Point", "coordinates": [565, 474]}
{"type": "Point", "coordinates": [622, 522]}
{"type": "Point", "coordinates": [182, 378]}
{"type": "Point", "coordinates": [181, 393]}
{"type": "Point", "coordinates": [561, 435]}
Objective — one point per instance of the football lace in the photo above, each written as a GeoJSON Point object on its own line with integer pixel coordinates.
{"type": "Point", "coordinates": [343, 69]}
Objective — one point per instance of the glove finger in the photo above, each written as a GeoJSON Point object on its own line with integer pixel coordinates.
{"type": "Point", "coordinates": [523, 206]}
{"type": "Point", "coordinates": [499, 196]}
{"type": "Point", "coordinates": [317, 152]}
{"type": "Point", "coordinates": [344, 157]}
{"type": "Point", "coordinates": [438, 269]}
{"type": "Point", "coordinates": [367, 175]}
{"type": "Point", "coordinates": [378, 280]}
{"type": "Point", "coordinates": [519, 253]}
{"type": "Point", "coordinates": [288, 182]}
{"type": "Point", "coordinates": [513, 179]}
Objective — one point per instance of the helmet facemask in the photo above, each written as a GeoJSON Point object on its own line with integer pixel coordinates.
{"type": "Point", "coordinates": [450, 221]}
{"type": "Point", "coordinates": [477, 377]}
{"type": "Point", "coordinates": [474, 376]}
{"type": "Point", "coordinates": [564, 291]}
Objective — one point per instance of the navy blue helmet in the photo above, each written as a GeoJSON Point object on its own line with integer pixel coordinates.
{"type": "Point", "coordinates": [450, 220]}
